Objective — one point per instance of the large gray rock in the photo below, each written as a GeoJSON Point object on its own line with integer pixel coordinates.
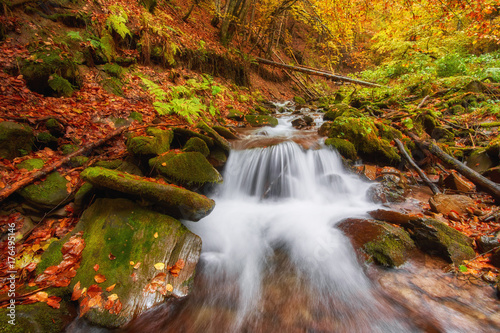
{"type": "Point", "coordinates": [146, 256]}
{"type": "Point", "coordinates": [176, 201]}
{"type": "Point", "coordinates": [15, 140]}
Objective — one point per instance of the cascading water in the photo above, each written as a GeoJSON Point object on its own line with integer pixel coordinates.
{"type": "Point", "coordinates": [273, 260]}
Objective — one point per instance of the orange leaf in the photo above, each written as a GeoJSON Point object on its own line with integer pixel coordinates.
{"type": "Point", "coordinates": [77, 292]}
{"type": "Point", "coordinates": [51, 270]}
{"type": "Point", "coordinates": [111, 287]}
{"type": "Point", "coordinates": [94, 290]}
{"type": "Point", "coordinates": [96, 267]}
{"type": "Point", "coordinates": [53, 302]}
{"type": "Point", "coordinates": [99, 278]}
{"type": "Point", "coordinates": [40, 296]}
{"type": "Point", "coordinates": [136, 266]}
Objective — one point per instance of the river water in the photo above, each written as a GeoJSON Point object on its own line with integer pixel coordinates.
{"type": "Point", "coordinates": [274, 261]}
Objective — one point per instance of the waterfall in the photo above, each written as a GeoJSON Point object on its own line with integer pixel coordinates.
{"type": "Point", "coordinates": [275, 221]}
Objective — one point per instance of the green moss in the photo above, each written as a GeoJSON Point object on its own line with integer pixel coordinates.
{"type": "Point", "coordinates": [15, 139]}
{"type": "Point", "coordinates": [262, 110]}
{"type": "Point", "coordinates": [235, 115]}
{"type": "Point", "coordinates": [299, 100]}
{"type": "Point", "coordinates": [60, 85]}
{"type": "Point", "coordinates": [344, 147]}
{"type": "Point", "coordinates": [78, 161]}
{"type": "Point", "coordinates": [225, 132]}
{"type": "Point", "coordinates": [158, 142]}
{"type": "Point", "coordinates": [218, 139]}
{"type": "Point", "coordinates": [31, 164]}
{"type": "Point", "coordinates": [184, 134]}
{"type": "Point", "coordinates": [68, 149]}
{"type": "Point", "coordinates": [55, 127]}
{"type": "Point", "coordinates": [196, 144]}
{"type": "Point", "coordinates": [388, 132]}
{"type": "Point", "coordinates": [120, 166]}
{"type": "Point", "coordinates": [114, 70]}
{"type": "Point", "coordinates": [191, 168]}
{"type": "Point", "coordinates": [49, 193]}
{"type": "Point", "coordinates": [112, 85]}
{"type": "Point", "coordinates": [257, 121]}
{"type": "Point", "coordinates": [45, 138]}
{"type": "Point", "coordinates": [136, 116]}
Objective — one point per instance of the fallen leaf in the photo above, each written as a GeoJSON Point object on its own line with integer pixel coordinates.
{"type": "Point", "coordinates": [113, 297]}
{"type": "Point", "coordinates": [118, 307]}
{"type": "Point", "coordinates": [132, 263]}
{"type": "Point", "coordinates": [111, 256]}
{"type": "Point", "coordinates": [99, 278]}
{"type": "Point", "coordinates": [159, 266]}
{"type": "Point", "coordinates": [169, 287]}
{"type": "Point", "coordinates": [40, 296]}
{"type": "Point", "coordinates": [136, 266]}
{"type": "Point", "coordinates": [95, 302]}
{"type": "Point", "coordinates": [111, 287]}
{"type": "Point", "coordinates": [96, 267]}
{"type": "Point", "coordinates": [77, 292]}
{"type": "Point", "coordinates": [155, 235]}
{"type": "Point", "coordinates": [94, 290]}
{"type": "Point", "coordinates": [53, 302]}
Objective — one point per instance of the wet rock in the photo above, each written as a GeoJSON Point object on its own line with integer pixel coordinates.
{"type": "Point", "coordinates": [299, 100]}
{"type": "Point", "coordinates": [217, 157]}
{"type": "Point", "coordinates": [493, 149]}
{"type": "Point", "coordinates": [235, 115]}
{"type": "Point", "coordinates": [479, 161]}
{"type": "Point", "coordinates": [176, 201]}
{"type": "Point", "coordinates": [197, 145]}
{"type": "Point", "coordinates": [225, 132]}
{"type": "Point", "coordinates": [444, 203]}
{"type": "Point", "coordinates": [344, 147]}
{"type": "Point", "coordinates": [258, 121]}
{"type": "Point", "coordinates": [157, 142]}
{"type": "Point", "coordinates": [388, 245]}
{"type": "Point", "coordinates": [218, 139]}
{"type": "Point", "coordinates": [391, 188]}
{"type": "Point", "coordinates": [456, 182]}
{"type": "Point", "coordinates": [493, 174]}
{"type": "Point", "coordinates": [182, 135]}
{"type": "Point", "coordinates": [118, 232]}
{"type": "Point", "coordinates": [191, 168]}
{"type": "Point", "coordinates": [302, 122]}
{"type": "Point", "coordinates": [47, 194]}
{"type": "Point", "coordinates": [437, 238]}
{"type": "Point", "coordinates": [15, 140]}
{"type": "Point", "coordinates": [325, 128]}
{"type": "Point", "coordinates": [392, 216]}
{"type": "Point", "coordinates": [487, 243]}
{"type": "Point", "coordinates": [45, 139]}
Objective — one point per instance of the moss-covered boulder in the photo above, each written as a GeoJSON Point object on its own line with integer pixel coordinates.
{"type": "Point", "coordinates": [386, 244]}
{"type": "Point", "coordinates": [146, 255]}
{"type": "Point", "coordinates": [55, 127]}
{"type": "Point", "coordinates": [325, 128]}
{"type": "Point", "coordinates": [218, 139]}
{"type": "Point", "coordinates": [437, 238]}
{"type": "Point", "coordinates": [182, 135]}
{"type": "Point", "coordinates": [217, 157]}
{"type": "Point", "coordinates": [49, 193]}
{"type": "Point", "coordinates": [344, 147]}
{"type": "Point", "coordinates": [15, 140]}
{"type": "Point", "coordinates": [31, 164]}
{"type": "Point", "coordinates": [191, 168]}
{"type": "Point", "coordinates": [175, 201]}
{"type": "Point", "coordinates": [68, 149]}
{"type": "Point", "coordinates": [258, 121]}
{"type": "Point", "coordinates": [36, 318]}
{"type": "Point", "coordinates": [479, 161]}
{"type": "Point", "coordinates": [198, 145]}
{"type": "Point", "coordinates": [120, 165]}
{"type": "Point", "coordinates": [388, 132]}
{"type": "Point", "coordinates": [339, 110]}
{"type": "Point", "coordinates": [45, 139]}
{"type": "Point", "coordinates": [363, 133]}
{"type": "Point", "coordinates": [235, 115]}
{"type": "Point", "coordinates": [157, 142]}
{"type": "Point", "coordinates": [493, 149]}
{"type": "Point", "coordinates": [299, 100]}
{"type": "Point", "coordinates": [51, 73]}
{"type": "Point", "coordinates": [225, 132]}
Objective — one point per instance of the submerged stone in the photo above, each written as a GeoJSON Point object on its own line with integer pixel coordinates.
{"type": "Point", "coordinates": [190, 168]}
{"type": "Point", "coordinates": [176, 201]}
{"type": "Point", "coordinates": [147, 256]}
{"type": "Point", "coordinates": [15, 140]}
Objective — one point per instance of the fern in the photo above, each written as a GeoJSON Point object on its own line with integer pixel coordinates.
{"type": "Point", "coordinates": [107, 46]}
{"type": "Point", "coordinates": [155, 89]}
{"type": "Point", "coordinates": [189, 108]}
{"type": "Point", "coordinates": [117, 20]}
{"type": "Point", "coordinates": [75, 35]}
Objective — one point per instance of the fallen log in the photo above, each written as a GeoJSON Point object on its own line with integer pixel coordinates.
{"type": "Point", "coordinates": [317, 73]}
{"type": "Point", "coordinates": [9, 189]}
{"type": "Point", "coordinates": [483, 182]}
{"type": "Point", "coordinates": [421, 173]}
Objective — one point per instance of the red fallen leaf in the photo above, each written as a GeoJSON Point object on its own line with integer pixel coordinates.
{"type": "Point", "coordinates": [53, 302]}
{"type": "Point", "coordinates": [134, 276]}
{"type": "Point", "coordinates": [77, 292]}
{"type": "Point", "coordinates": [62, 283]}
{"type": "Point", "coordinates": [31, 267]}
{"type": "Point", "coordinates": [51, 270]}
{"type": "Point", "coordinates": [150, 288]}
{"type": "Point", "coordinates": [159, 278]}
{"type": "Point", "coordinates": [40, 296]}
{"type": "Point", "coordinates": [109, 304]}
{"type": "Point", "coordinates": [94, 290]}
{"type": "Point", "coordinates": [179, 265]}
{"type": "Point", "coordinates": [99, 278]}
{"type": "Point", "coordinates": [95, 302]}
{"type": "Point", "coordinates": [118, 307]}
{"type": "Point", "coordinates": [162, 289]}
{"type": "Point", "coordinates": [96, 267]}
{"type": "Point", "coordinates": [111, 287]}
{"type": "Point", "coordinates": [84, 307]}
{"type": "Point", "coordinates": [111, 256]}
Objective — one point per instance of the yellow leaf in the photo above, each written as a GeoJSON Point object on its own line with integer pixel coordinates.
{"type": "Point", "coordinates": [132, 263]}
{"type": "Point", "coordinates": [155, 235]}
{"type": "Point", "coordinates": [113, 297]}
{"type": "Point", "coordinates": [159, 266]}
{"type": "Point", "coordinates": [169, 287]}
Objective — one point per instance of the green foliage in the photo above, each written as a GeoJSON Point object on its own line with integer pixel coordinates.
{"type": "Point", "coordinates": [60, 85]}
{"type": "Point", "coordinates": [114, 70]}
{"type": "Point", "coordinates": [450, 65]}
{"type": "Point", "coordinates": [116, 21]}
{"type": "Point", "coordinates": [75, 35]}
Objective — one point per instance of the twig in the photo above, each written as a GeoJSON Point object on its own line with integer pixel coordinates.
{"type": "Point", "coordinates": [422, 102]}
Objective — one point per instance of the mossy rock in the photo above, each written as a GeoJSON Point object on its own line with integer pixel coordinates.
{"type": "Point", "coordinates": [78, 161]}
{"type": "Point", "coordinates": [55, 127]}
{"type": "Point", "coordinates": [225, 132]}
{"type": "Point", "coordinates": [258, 121]}
{"type": "Point", "coordinates": [344, 147]}
{"type": "Point", "coordinates": [136, 116]}
{"type": "Point", "coordinates": [176, 201]}
{"type": "Point", "coordinates": [388, 132]}
{"type": "Point", "coordinates": [442, 134]}
{"type": "Point", "coordinates": [120, 165]}
{"type": "Point", "coordinates": [363, 133]}
{"type": "Point", "coordinates": [191, 168]}
{"type": "Point", "coordinates": [262, 110]}
{"type": "Point", "coordinates": [299, 100]}
{"type": "Point", "coordinates": [435, 237]}
{"type": "Point", "coordinates": [130, 233]}
{"type": "Point", "coordinates": [45, 139]}
{"type": "Point", "coordinates": [83, 196]}
{"type": "Point", "coordinates": [217, 157]}
{"type": "Point", "coordinates": [235, 115]}
{"type": "Point", "coordinates": [324, 129]}
{"type": "Point", "coordinates": [218, 139]}
{"type": "Point", "coordinates": [182, 135]}
{"type": "Point", "coordinates": [391, 247]}
{"type": "Point", "coordinates": [198, 145]}
{"type": "Point", "coordinates": [157, 142]}
{"type": "Point", "coordinates": [68, 149]}
{"type": "Point", "coordinates": [36, 318]}
{"type": "Point", "coordinates": [47, 194]}
{"type": "Point", "coordinates": [47, 65]}
{"type": "Point", "coordinates": [457, 110]}
{"type": "Point", "coordinates": [479, 161]}
{"type": "Point", "coordinates": [15, 140]}
{"type": "Point", "coordinates": [341, 109]}
{"type": "Point", "coordinates": [427, 121]}
{"type": "Point", "coordinates": [31, 164]}
{"type": "Point", "coordinates": [493, 149]}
